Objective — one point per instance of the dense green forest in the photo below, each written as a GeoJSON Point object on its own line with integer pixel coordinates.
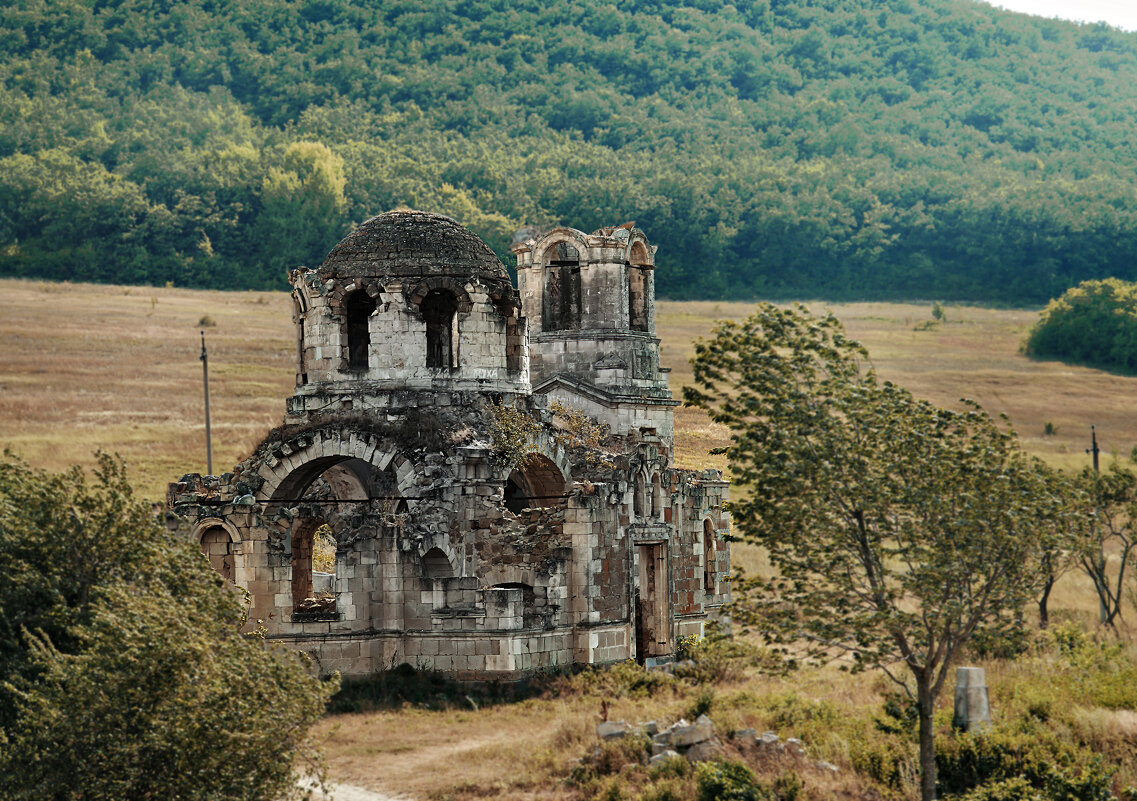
{"type": "Point", "coordinates": [774, 148]}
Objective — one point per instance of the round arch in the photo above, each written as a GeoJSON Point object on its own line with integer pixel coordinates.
{"type": "Point", "coordinates": [289, 467]}
{"type": "Point", "coordinates": [555, 237]}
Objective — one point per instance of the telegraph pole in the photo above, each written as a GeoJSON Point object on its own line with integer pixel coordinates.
{"type": "Point", "coordinates": [1094, 449]}
{"type": "Point", "coordinates": [208, 435]}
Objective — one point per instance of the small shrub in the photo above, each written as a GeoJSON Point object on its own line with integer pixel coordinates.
{"type": "Point", "coordinates": [1054, 766]}
{"type": "Point", "coordinates": [938, 312]}
{"type": "Point", "coordinates": [676, 768]}
{"type": "Point", "coordinates": [788, 786]}
{"type": "Point", "coordinates": [1049, 429]}
{"type": "Point", "coordinates": [728, 781]}
{"type": "Point", "coordinates": [666, 790]}
{"type": "Point", "coordinates": [1014, 789]}
{"type": "Point", "coordinates": [206, 322]}
{"type": "Point", "coordinates": [702, 704]}
{"type": "Point", "coordinates": [1133, 454]}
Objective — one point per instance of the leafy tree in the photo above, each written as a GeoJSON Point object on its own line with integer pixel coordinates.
{"type": "Point", "coordinates": [123, 669]}
{"type": "Point", "coordinates": [1092, 323]}
{"type": "Point", "coordinates": [1109, 534]}
{"type": "Point", "coordinates": [897, 529]}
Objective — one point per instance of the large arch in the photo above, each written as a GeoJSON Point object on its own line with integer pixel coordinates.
{"type": "Point", "coordinates": [538, 482]}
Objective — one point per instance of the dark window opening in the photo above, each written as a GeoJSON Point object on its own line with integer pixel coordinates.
{"type": "Point", "coordinates": [709, 556]}
{"type": "Point", "coordinates": [540, 483]}
{"type": "Point", "coordinates": [440, 310]}
{"type": "Point", "coordinates": [360, 307]}
{"type": "Point", "coordinates": [637, 299]}
{"type": "Point", "coordinates": [515, 500]}
{"type": "Point", "coordinates": [436, 565]}
{"type": "Point", "coordinates": [561, 300]}
{"type": "Point", "coordinates": [531, 617]}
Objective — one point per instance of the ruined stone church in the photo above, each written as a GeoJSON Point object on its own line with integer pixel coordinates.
{"type": "Point", "coordinates": [491, 466]}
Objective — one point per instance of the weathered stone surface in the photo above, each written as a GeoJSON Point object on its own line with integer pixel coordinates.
{"type": "Point", "coordinates": [447, 554]}
{"type": "Point", "coordinates": [795, 747]}
{"type": "Point", "coordinates": [663, 756]}
{"type": "Point", "coordinates": [746, 737]}
{"type": "Point", "coordinates": [702, 729]}
{"type": "Point", "coordinates": [705, 751]}
{"type": "Point", "coordinates": [613, 730]}
{"type": "Point", "coordinates": [972, 707]}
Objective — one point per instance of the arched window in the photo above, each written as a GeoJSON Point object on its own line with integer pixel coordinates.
{"type": "Point", "coordinates": [656, 496]}
{"type": "Point", "coordinates": [215, 544]}
{"type": "Point", "coordinates": [303, 537]}
{"type": "Point", "coordinates": [710, 557]}
{"type": "Point", "coordinates": [360, 306]}
{"type": "Point", "coordinates": [436, 565]}
{"type": "Point", "coordinates": [298, 315]}
{"type": "Point", "coordinates": [637, 298]}
{"type": "Point", "coordinates": [439, 309]}
{"type": "Point", "coordinates": [560, 308]}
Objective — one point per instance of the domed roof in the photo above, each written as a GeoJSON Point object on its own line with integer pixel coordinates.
{"type": "Point", "coordinates": [412, 244]}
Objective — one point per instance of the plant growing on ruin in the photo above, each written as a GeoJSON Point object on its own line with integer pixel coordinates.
{"type": "Point", "coordinates": [576, 432]}
{"type": "Point", "coordinates": [897, 529]}
{"type": "Point", "coordinates": [123, 669]}
{"type": "Point", "coordinates": [514, 432]}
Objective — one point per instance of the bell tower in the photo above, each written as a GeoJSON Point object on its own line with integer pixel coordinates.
{"type": "Point", "coordinates": [590, 303]}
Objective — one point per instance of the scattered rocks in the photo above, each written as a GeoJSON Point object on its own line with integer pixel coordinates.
{"type": "Point", "coordinates": [614, 729]}
{"type": "Point", "coordinates": [663, 756]}
{"type": "Point", "coordinates": [696, 742]}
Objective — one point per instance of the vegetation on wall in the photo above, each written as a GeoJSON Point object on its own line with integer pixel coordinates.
{"type": "Point", "coordinates": [1093, 323]}
{"type": "Point", "coordinates": [856, 148]}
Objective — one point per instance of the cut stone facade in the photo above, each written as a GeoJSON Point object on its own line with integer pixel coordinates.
{"type": "Point", "coordinates": [484, 527]}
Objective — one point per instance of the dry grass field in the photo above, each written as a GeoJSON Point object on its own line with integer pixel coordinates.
{"type": "Point", "coordinates": [89, 366]}
{"type": "Point", "coordinates": [117, 368]}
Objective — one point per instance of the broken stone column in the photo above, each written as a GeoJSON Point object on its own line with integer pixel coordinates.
{"type": "Point", "coordinates": [972, 709]}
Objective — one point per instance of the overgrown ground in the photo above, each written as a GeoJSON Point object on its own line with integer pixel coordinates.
{"type": "Point", "coordinates": [117, 368]}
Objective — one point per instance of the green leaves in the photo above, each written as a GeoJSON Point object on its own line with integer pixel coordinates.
{"type": "Point", "coordinates": [897, 528]}
{"type": "Point", "coordinates": [123, 669]}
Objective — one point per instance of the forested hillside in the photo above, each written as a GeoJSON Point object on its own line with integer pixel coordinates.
{"type": "Point", "coordinates": [777, 148]}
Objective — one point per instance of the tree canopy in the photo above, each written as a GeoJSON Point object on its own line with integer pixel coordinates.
{"type": "Point", "coordinates": [123, 669]}
{"type": "Point", "coordinates": [772, 148]}
{"type": "Point", "coordinates": [898, 530]}
{"type": "Point", "coordinates": [1093, 323]}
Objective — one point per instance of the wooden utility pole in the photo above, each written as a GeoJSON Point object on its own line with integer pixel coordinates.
{"type": "Point", "coordinates": [1094, 449]}
{"type": "Point", "coordinates": [208, 435]}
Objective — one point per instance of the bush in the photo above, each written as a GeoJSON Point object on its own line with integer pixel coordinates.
{"type": "Point", "coordinates": [1093, 323]}
{"type": "Point", "coordinates": [1054, 767]}
{"type": "Point", "coordinates": [729, 781]}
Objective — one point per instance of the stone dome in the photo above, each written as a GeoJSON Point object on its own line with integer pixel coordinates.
{"type": "Point", "coordinates": [413, 245]}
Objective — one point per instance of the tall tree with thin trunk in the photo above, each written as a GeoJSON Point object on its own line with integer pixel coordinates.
{"type": "Point", "coordinates": [1109, 536]}
{"type": "Point", "coordinates": [897, 529]}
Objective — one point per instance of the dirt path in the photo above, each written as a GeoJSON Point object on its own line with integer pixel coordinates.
{"type": "Point", "coordinates": [348, 792]}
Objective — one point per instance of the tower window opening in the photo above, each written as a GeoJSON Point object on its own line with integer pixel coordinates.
{"type": "Point", "coordinates": [637, 299]}
{"type": "Point", "coordinates": [561, 307]}
{"type": "Point", "coordinates": [440, 310]}
{"type": "Point", "coordinates": [709, 556]}
{"type": "Point", "coordinates": [360, 307]}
